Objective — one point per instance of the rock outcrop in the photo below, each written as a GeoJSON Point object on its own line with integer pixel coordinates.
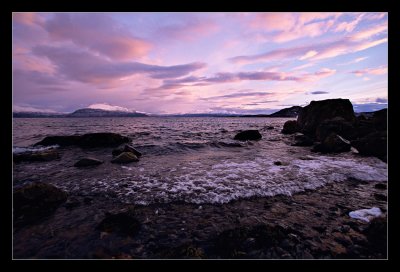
{"type": "Point", "coordinates": [333, 144]}
{"type": "Point", "coordinates": [311, 116]}
{"type": "Point", "coordinates": [373, 144]}
{"type": "Point", "coordinates": [248, 135]}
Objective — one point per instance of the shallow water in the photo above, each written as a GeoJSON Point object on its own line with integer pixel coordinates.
{"type": "Point", "coordinates": [187, 159]}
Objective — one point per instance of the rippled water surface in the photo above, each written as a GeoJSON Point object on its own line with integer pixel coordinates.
{"type": "Point", "coordinates": [187, 159]}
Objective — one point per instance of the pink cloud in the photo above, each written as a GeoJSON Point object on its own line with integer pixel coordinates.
{"type": "Point", "coordinates": [357, 42]}
{"type": "Point", "coordinates": [27, 18]}
{"type": "Point", "coordinates": [370, 32]}
{"type": "Point", "coordinates": [371, 71]}
{"type": "Point", "coordinates": [349, 26]}
{"type": "Point", "coordinates": [190, 28]}
{"type": "Point", "coordinates": [99, 33]}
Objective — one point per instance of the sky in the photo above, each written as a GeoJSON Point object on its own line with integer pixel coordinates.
{"type": "Point", "coordinates": [171, 63]}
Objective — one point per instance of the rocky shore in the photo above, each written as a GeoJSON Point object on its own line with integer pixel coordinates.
{"type": "Point", "coordinates": [308, 225]}
{"type": "Point", "coordinates": [312, 224]}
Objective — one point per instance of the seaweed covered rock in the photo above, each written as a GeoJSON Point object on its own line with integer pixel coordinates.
{"type": "Point", "coordinates": [125, 157]}
{"type": "Point", "coordinates": [45, 155]}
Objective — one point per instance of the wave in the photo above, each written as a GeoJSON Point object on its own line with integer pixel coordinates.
{"type": "Point", "coordinates": [18, 150]}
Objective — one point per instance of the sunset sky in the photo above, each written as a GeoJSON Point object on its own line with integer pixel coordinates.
{"type": "Point", "coordinates": [198, 62]}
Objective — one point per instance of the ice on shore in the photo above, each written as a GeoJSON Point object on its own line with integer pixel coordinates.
{"type": "Point", "coordinates": [366, 214]}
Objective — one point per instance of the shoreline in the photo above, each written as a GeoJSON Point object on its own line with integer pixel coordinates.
{"type": "Point", "coordinates": [307, 225]}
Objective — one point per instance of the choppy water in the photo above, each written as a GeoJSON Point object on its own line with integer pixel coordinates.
{"type": "Point", "coordinates": [187, 159]}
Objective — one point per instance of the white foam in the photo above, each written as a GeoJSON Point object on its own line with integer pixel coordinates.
{"type": "Point", "coordinates": [18, 150]}
{"type": "Point", "coordinates": [366, 214]}
{"type": "Point", "coordinates": [231, 179]}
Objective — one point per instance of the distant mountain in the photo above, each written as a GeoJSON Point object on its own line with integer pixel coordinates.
{"type": "Point", "coordinates": [287, 112]}
{"type": "Point", "coordinates": [27, 114]}
{"type": "Point", "coordinates": [202, 115]}
{"type": "Point", "coordinates": [104, 113]}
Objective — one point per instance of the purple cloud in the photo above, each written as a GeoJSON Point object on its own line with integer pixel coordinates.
{"type": "Point", "coordinates": [97, 32]}
{"type": "Point", "coordinates": [319, 92]}
{"type": "Point", "coordinates": [85, 67]}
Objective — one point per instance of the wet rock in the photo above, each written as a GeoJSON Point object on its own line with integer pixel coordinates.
{"type": "Point", "coordinates": [373, 144]}
{"type": "Point", "coordinates": [333, 144]}
{"type": "Point", "coordinates": [36, 201]}
{"type": "Point", "coordinates": [311, 116]}
{"type": "Point", "coordinates": [185, 251]}
{"type": "Point", "coordinates": [126, 148]}
{"type": "Point", "coordinates": [302, 140]}
{"type": "Point", "coordinates": [376, 234]}
{"type": "Point", "coordinates": [290, 127]}
{"type": "Point", "coordinates": [45, 155]}
{"type": "Point", "coordinates": [277, 163]}
{"type": "Point", "coordinates": [337, 125]}
{"type": "Point", "coordinates": [86, 141]}
{"type": "Point", "coordinates": [248, 135]}
{"type": "Point", "coordinates": [125, 157]}
{"type": "Point", "coordinates": [270, 127]}
{"type": "Point", "coordinates": [380, 197]}
{"type": "Point", "coordinates": [87, 162]}
{"type": "Point", "coordinates": [381, 186]}
{"type": "Point", "coordinates": [123, 223]}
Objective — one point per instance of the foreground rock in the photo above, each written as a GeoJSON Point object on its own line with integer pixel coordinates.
{"type": "Point", "coordinates": [86, 140]}
{"type": "Point", "coordinates": [35, 201]}
{"type": "Point", "coordinates": [290, 127]}
{"type": "Point", "coordinates": [126, 148]}
{"type": "Point", "coordinates": [87, 162]}
{"type": "Point", "coordinates": [316, 112]}
{"type": "Point", "coordinates": [123, 223]}
{"type": "Point", "coordinates": [46, 155]}
{"type": "Point", "coordinates": [125, 157]}
{"type": "Point", "coordinates": [336, 125]}
{"type": "Point", "coordinates": [248, 135]}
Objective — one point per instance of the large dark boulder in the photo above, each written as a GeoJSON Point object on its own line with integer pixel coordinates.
{"type": "Point", "coordinates": [373, 144]}
{"type": "Point", "coordinates": [45, 155]}
{"type": "Point", "coordinates": [248, 135]}
{"type": "Point", "coordinates": [59, 140]}
{"type": "Point", "coordinates": [333, 144]}
{"type": "Point", "coordinates": [379, 119]}
{"type": "Point", "coordinates": [105, 139]}
{"type": "Point", "coordinates": [290, 127]}
{"type": "Point", "coordinates": [337, 125]}
{"type": "Point", "coordinates": [123, 223]}
{"type": "Point", "coordinates": [126, 148]}
{"type": "Point", "coordinates": [101, 140]}
{"type": "Point", "coordinates": [311, 116]}
{"type": "Point", "coordinates": [35, 201]}
{"type": "Point", "coordinates": [87, 162]}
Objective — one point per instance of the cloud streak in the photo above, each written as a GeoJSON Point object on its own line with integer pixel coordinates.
{"type": "Point", "coordinates": [83, 66]}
